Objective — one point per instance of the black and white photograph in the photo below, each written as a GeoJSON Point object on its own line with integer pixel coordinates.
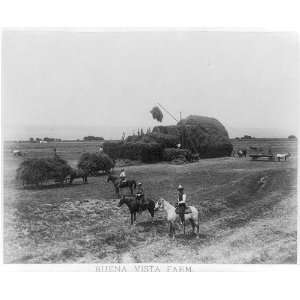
{"type": "Point", "coordinates": [166, 147]}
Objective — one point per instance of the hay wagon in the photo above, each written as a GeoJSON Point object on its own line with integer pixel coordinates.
{"type": "Point", "coordinates": [267, 156]}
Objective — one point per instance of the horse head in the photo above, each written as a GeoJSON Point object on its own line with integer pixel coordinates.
{"type": "Point", "coordinates": [111, 178]}
{"type": "Point", "coordinates": [122, 201]}
{"type": "Point", "coordinates": [159, 204]}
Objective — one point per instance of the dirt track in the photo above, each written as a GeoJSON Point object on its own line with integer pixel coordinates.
{"type": "Point", "coordinates": [242, 220]}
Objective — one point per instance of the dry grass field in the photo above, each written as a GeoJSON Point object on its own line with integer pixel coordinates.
{"type": "Point", "coordinates": [242, 220]}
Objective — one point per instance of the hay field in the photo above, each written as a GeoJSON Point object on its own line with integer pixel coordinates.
{"type": "Point", "coordinates": [242, 221]}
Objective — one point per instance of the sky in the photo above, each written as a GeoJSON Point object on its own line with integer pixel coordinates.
{"type": "Point", "coordinates": [72, 84]}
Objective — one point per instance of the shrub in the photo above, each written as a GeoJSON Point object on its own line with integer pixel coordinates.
{"type": "Point", "coordinates": [170, 154]}
{"type": "Point", "coordinates": [165, 140]}
{"type": "Point", "coordinates": [151, 152]}
{"type": "Point", "coordinates": [146, 152]}
{"type": "Point", "coordinates": [38, 171]}
{"type": "Point", "coordinates": [113, 149]}
{"type": "Point", "coordinates": [94, 162]}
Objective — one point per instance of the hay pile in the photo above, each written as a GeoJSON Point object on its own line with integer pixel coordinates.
{"type": "Point", "coordinates": [203, 135]}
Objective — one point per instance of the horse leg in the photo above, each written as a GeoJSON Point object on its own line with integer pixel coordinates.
{"type": "Point", "coordinates": [131, 218]}
{"type": "Point", "coordinates": [193, 225]}
{"type": "Point", "coordinates": [197, 230]}
{"type": "Point", "coordinates": [173, 227]}
{"type": "Point", "coordinates": [151, 211]}
{"type": "Point", "coordinates": [172, 230]}
{"type": "Point", "coordinates": [184, 227]}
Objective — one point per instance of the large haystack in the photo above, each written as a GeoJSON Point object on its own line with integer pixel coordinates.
{"type": "Point", "coordinates": [203, 135]}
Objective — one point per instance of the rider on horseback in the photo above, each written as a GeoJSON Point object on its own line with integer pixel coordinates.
{"type": "Point", "coordinates": [140, 196]}
{"type": "Point", "coordinates": [181, 206]}
{"type": "Point", "coordinates": [122, 176]}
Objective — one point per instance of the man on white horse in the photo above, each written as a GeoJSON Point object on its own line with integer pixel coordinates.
{"type": "Point", "coordinates": [181, 205]}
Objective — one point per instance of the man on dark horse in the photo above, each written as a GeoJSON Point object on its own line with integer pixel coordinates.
{"type": "Point", "coordinates": [181, 205]}
{"type": "Point", "coordinates": [140, 196]}
{"type": "Point", "coordinates": [122, 178]}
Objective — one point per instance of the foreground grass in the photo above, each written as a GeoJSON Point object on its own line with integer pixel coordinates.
{"type": "Point", "coordinates": [242, 219]}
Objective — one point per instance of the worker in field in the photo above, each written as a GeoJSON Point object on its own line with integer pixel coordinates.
{"type": "Point", "coordinates": [181, 203]}
{"type": "Point", "coordinates": [140, 196]}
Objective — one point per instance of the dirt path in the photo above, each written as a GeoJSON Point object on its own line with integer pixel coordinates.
{"type": "Point", "coordinates": [127, 258]}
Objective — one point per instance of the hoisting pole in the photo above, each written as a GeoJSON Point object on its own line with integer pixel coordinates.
{"type": "Point", "coordinates": [167, 112]}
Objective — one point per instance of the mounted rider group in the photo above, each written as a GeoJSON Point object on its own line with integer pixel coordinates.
{"type": "Point", "coordinates": [181, 207]}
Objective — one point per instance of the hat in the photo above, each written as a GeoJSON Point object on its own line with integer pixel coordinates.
{"type": "Point", "coordinates": [180, 187]}
{"type": "Point", "coordinates": [139, 183]}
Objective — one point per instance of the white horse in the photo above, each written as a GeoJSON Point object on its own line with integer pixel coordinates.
{"type": "Point", "coordinates": [282, 156]}
{"type": "Point", "coordinates": [172, 216]}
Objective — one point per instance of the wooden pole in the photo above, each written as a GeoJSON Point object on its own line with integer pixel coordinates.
{"type": "Point", "coordinates": [167, 112]}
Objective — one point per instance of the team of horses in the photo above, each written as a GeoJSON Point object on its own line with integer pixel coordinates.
{"type": "Point", "coordinates": [243, 153]}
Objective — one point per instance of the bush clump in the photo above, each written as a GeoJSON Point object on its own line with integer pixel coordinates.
{"type": "Point", "coordinates": [92, 163]}
{"type": "Point", "coordinates": [170, 154]}
{"type": "Point", "coordinates": [146, 152]}
{"type": "Point", "coordinates": [39, 170]}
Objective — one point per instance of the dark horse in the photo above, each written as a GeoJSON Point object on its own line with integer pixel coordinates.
{"type": "Point", "coordinates": [134, 206]}
{"type": "Point", "coordinates": [242, 152]}
{"type": "Point", "coordinates": [131, 184]}
{"type": "Point", "coordinates": [78, 173]}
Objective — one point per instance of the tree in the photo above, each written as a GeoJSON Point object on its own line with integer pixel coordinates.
{"type": "Point", "coordinates": [31, 139]}
{"type": "Point", "coordinates": [292, 137]}
{"type": "Point", "coordinates": [93, 138]}
{"type": "Point", "coordinates": [157, 114]}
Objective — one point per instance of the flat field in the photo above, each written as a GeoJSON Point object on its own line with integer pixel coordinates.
{"type": "Point", "coordinates": [241, 219]}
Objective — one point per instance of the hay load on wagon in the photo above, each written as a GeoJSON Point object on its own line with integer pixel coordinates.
{"type": "Point", "coordinates": [203, 135]}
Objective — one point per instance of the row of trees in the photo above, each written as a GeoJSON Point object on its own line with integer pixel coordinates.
{"type": "Point", "coordinates": [45, 139]}
{"type": "Point", "coordinates": [93, 138]}
{"type": "Point", "coordinates": [48, 139]}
